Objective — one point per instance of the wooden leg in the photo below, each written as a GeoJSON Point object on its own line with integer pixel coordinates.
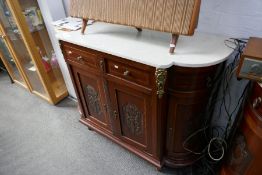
{"type": "Point", "coordinates": [84, 24]}
{"type": "Point", "coordinates": [12, 81]}
{"type": "Point", "coordinates": [159, 169]}
{"type": "Point", "coordinates": [173, 43]}
{"type": "Point", "coordinates": [90, 129]}
{"type": "Point", "coordinates": [138, 29]}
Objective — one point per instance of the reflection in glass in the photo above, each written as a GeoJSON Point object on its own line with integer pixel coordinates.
{"type": "Point", "coordinates": [20, 50]}
{"type": "Point", "coordinates": [11, 63]}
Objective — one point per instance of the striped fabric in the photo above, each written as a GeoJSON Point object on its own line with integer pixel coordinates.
{"type": "Point", "coordinates": [173, 16]}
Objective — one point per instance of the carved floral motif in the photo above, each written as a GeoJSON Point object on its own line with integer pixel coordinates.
{"type": "Point", "coordinates": [133, 118]}
{"type": "Point", "coordinates": [93, 101]}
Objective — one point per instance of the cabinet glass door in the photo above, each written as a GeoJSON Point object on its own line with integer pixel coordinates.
{"type": "Point", "coordinates": [9, 61]}
{"type": "Point", "coordinates": [37, 28]}
{"type": "Point", "coordinates": [16, 43]}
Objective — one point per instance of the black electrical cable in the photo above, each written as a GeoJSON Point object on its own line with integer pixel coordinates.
{"type": "Point", "coordinates": [240, 101]}
{"type": "Point", "coordinates": [214, 138]}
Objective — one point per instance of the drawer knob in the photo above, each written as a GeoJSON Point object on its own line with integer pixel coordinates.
{"type": "Point", "coordinates": [126, 73]}
{"type": "Point", "coordinates": [80, 58]}
{"type": "Point", "coordinates": [257, 102]}
{"type": "Point", "coordinates": [102, 65]}
{"type": "Point", "coordinates": [69, 52]}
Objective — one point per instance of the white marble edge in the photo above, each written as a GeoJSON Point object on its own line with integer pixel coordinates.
{"type": "Point", "coordinates": [199, 50]}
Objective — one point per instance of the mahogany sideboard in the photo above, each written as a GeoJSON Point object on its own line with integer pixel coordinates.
{"type": "Point", "coordinates": [149, 111]}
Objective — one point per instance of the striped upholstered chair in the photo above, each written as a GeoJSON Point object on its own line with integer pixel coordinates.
{"type": "Point", "coordinates": [178, 17]}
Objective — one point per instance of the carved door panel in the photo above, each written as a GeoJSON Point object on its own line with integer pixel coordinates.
{"type": "Point", "coordinates": [91, 93]}
{"type": "Point", "coordinates": [131, 113]}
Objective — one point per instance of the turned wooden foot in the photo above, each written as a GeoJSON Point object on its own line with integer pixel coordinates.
{"type": "Point", "coordinates": [159, 169]}
{"type": "Point", "coordinates": [173, 43]}
{"type": "Point", "coordinates": [138, 29]}
{"type": "Point", "coordinates": [90, 129]}
{"type": "Point", "coordinates": [84, 24]}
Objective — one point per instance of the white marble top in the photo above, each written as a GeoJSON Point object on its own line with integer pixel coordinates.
{"type": "Point", "coordinates": [150, 47]}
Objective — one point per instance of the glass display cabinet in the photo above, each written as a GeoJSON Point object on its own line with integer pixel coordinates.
{"type": "Point", "coordinates": [27, 52]}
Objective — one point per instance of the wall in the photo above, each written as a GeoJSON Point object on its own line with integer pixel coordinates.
{"type": "Point", "coordinates": [55, 10]}
{"type": "Point", "coordinates": [66, 4]}
{"type": "Point", "coordinates": [234, 18]}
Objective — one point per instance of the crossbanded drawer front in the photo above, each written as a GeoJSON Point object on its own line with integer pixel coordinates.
{"type": "Point", "coordinates": [80, 57]}
{"type": "Point", "coordinates": [129, 73]}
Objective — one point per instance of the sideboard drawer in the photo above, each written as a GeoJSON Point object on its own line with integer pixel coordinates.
{"type": "Point", "coordinates": [80, 57]}
{"type": "Point", "coordinates": [140, 75]}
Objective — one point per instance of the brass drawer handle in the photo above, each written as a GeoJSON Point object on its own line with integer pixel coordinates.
{"type": "Point", "coordinates": [80, 58]}
{"type": "Point", "coordinates": [126, 73]}
{"type": "Point", "coordinates": [102, 65]}
{"type": "Point", "coordinates": [257, 102]}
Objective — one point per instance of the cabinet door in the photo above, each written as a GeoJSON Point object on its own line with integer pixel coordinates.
{"type": "Point", "coordinates": [185, 116]}
{"type": "Point", "coordinates": [91, 92]}
{"type": "Point", "coordinates": [9, 62]}
{"type": "Point", "coordinates": [130, 110]}
{"type": "Point", "coordinates": [188, 94]}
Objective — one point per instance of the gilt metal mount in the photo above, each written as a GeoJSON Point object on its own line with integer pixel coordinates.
{"type": "Point", "coordinates": [161, 75]}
